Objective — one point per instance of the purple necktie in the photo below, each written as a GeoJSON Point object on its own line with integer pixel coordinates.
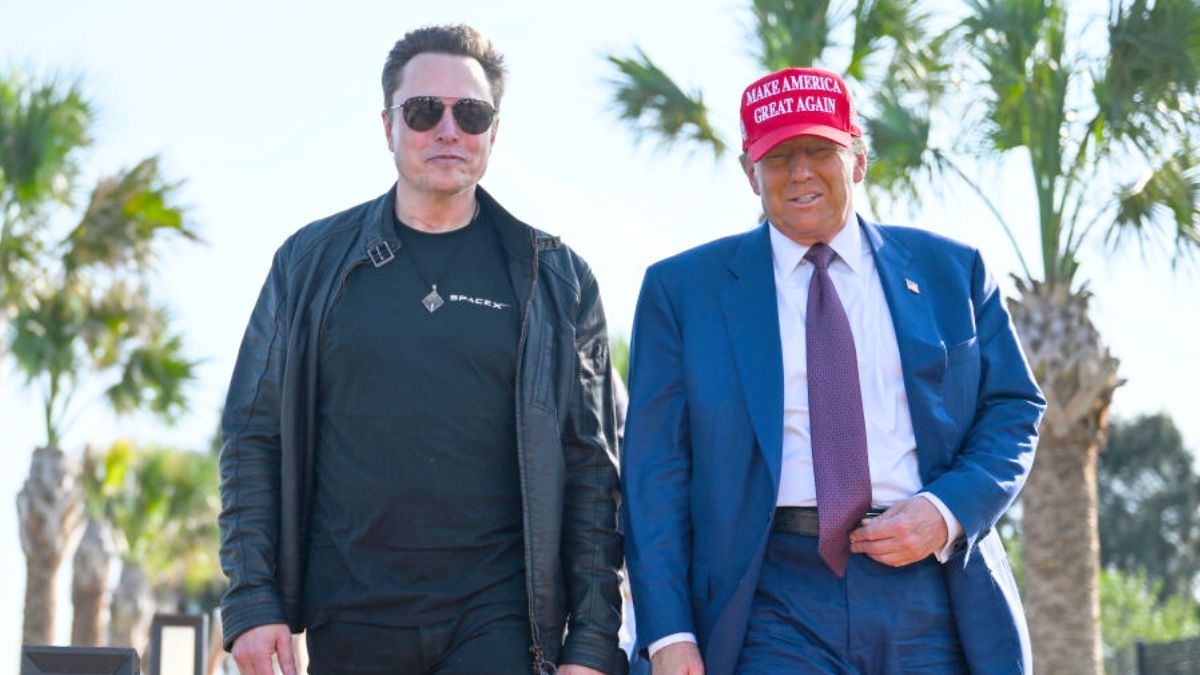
{"type": "Point", "coordinates": [835, 416]}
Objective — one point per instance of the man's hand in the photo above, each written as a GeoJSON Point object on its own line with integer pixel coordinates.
{"type": "Point", "coordinates": [572, 669]}
{"type": "Point", "coordinates": [252, 650]}
{"type": "Point", "coordinates": [907, 532]}
{"type": "Point", "coordinates": [679, 658]}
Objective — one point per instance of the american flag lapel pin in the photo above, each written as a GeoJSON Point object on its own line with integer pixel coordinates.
{"type": "Point", "coordinates": [912, 286]}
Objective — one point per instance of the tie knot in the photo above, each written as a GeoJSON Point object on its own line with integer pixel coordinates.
{"type": "Point", "coordinates": [820, 255]}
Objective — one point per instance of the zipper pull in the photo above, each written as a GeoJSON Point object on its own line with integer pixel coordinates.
{"type": "Point", "coordinates": [540, 666]}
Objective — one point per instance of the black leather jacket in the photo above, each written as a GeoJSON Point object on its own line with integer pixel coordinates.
{"type": "Point", "coordinates": [565, 434]}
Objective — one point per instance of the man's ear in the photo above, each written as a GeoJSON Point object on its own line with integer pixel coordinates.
{"type": "Point", "coordinates": [751, 175]}
{"type": "Point", "coordinates": [387, 117]}
{"type": "Point", "coordinates": [860, 167]}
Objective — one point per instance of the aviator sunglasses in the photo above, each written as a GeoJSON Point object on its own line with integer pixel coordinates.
{"type": "Point", "coordinates": [422, 113]}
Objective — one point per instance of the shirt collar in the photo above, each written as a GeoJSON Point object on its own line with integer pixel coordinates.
{"type": "Point", "coordinates": [847, 243]}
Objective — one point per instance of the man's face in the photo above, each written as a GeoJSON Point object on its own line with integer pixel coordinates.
{"type": "Point", "coordinates": [445, 160]}
{"type": "Point", "coordinates": [805, 184]}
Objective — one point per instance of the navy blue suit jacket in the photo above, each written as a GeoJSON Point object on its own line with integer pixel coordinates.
{"type": "Point", "coordinates": [704, 434]}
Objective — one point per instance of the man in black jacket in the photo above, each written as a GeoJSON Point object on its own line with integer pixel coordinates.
{"type": "Point", "coordinates": [419, 459]}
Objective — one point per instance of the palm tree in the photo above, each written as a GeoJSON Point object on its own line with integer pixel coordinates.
{"type": "Point", "coordinates": [1121, 124]}
{"type": "Point", "coordinates": [44, 126]}
{"type": "Point", "coordinates": [164, 506]}
{"type": "Point", "coordinates": [156, 510]}
{"type": "Point", "coordinates": [80, 307]}
{"type": "Point", "coordinates": [92, 318]}
{"type": "Point", "coordinates": [1111, 141]}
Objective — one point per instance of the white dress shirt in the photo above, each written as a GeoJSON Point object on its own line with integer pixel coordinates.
{"type": "Point", "coordinates": [891, 445]}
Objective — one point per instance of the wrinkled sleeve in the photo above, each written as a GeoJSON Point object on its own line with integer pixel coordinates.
{"type": "Point", "coordinates": [591, 545]}
{"type": "Point", "coordinates": [656, 470]}
{"type": "Point", "coordinates": [249, 465]}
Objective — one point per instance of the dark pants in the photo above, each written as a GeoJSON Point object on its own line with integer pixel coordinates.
{"type": "Point", "coordinates": [878, 620]}
{"type": "Point", "coordinates": [476, 642]}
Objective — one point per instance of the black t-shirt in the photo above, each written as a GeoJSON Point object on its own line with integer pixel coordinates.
{"type": "Point", "coordinates": [417, 506]}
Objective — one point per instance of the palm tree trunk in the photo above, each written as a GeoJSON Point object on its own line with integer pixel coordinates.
{"type": "Point", "coordinates": [1061, 544]}
{"type": "Point", "coordinates": [49, 508]}
{"type": "Point", "coordinates": [89, 584]}
{"type": "Point", "coordinates": [132, 609]}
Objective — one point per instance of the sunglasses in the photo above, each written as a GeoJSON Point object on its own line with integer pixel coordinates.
{"type": "Point", "coordinates": [422, 113]}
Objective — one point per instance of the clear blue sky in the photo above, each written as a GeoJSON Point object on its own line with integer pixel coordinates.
{"type": "Point", "coordinates": [269, 111]}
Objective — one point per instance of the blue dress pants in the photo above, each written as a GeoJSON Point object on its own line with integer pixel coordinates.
{"type": "Point", "coordinates": [878, 620]}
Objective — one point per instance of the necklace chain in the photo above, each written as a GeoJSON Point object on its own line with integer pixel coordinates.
{"type": "Point", "coordinates": [434, 300]}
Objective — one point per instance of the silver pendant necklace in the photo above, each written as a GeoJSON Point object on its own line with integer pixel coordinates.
{"type": "Point", "coordinates": [434, 300]}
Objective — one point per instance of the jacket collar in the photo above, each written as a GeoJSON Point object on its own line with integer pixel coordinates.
{"type": "Point", "coordinates": [378, 232]}
{"type": "Point", "coordinates": [847, 243]}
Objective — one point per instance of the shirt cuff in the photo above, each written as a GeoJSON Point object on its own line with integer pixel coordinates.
{"type": "Point", "coordinates": [670, 640]}
{"type": "Point", "coordinates": [953, 528]}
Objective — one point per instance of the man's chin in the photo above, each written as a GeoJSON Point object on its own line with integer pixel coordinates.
{"type": "Point", "coordinates": [446, 186]}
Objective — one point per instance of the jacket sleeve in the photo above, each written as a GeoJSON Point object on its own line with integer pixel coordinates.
{"type": "Point", "coordinates": [996, 453]}
{"type": "Point", "coordinates": [591, 545]}
{"type": "Point", "coordinates": [249, 465]}
{"type": "Point", "coordinates": [656, 468]}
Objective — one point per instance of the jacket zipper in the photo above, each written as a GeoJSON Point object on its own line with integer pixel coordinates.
{"type": "Point", "coordinates": [539, 659]}
{"type": "Point", "coordinates": [338, 295]}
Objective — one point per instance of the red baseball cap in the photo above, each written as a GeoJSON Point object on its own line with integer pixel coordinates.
{"type": "Point", "coordinates": [796, 102]}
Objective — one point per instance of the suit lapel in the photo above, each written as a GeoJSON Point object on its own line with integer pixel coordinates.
{"type": "Point", "coordinates": [752, 321]}
{"type": "Point", "coordinates": [922, 351]}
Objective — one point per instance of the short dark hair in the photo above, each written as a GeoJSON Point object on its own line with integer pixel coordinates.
{"type": "Point", "coordinates": [459, 39]}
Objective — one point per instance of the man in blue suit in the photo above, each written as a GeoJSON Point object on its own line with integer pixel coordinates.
{"type": "Point", "coordinates": [827, 417]}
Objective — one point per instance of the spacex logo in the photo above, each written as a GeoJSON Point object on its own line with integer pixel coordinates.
{"type": "Point", "coordinates": [482, 302]}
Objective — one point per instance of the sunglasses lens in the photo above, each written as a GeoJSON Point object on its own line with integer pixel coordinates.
{"type": "Point", "coordinates": [422, 113]}
{"type": "Point", "coordinates": [472, 116]}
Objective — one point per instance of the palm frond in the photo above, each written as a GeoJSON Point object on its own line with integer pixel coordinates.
{"type": "Point", "coordinates": [44, 333]}
{"type": "Point", "coordinates": [903, 162]}
{"type": "Point", "coordinates": [898, 22]}
{"type": "Point", "coordinates": [154, 375]}
{"type": "Point", "coordinates": [19, 253]}
{"type": "Point", "coordinates": [1020, 46]}
{"type": "Point", "coordinates": [900, 154]}
{"type": "Point", "coordinates": [166, 514]}
{"type": "Point", "coordinates": [119, 315]}
{"type": "Point", "coordinates": [1046, 94]}
{"type": "Point", "coordinates": [654, 105]}
{"type": "Point", "coordinates": [126, 217]}
{"type": "Point", "coordinates": [791, 33]}
{"type": "Point", "coordinates": [1166, 199]}
{"type": "Point", "coordinates": [1152, 75]}
{"type": "Point", "coordinates": [42, 125]}
{"type": "Point", "coordinates": [924, 67]}
{"type": "Point", "coordinates": [1004, 35]}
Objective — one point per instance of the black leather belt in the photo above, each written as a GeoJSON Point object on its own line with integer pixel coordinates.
{"type": "Point", "coordinates": [803, 520]}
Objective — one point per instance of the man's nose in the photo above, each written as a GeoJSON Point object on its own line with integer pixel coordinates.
{"type": "Point", "coordinates": [801, 167]}
{"type": "Point", "coordinates": [447, 128]}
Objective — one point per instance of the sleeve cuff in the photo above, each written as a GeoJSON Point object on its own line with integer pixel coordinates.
{"type": "Point", "coordinates": [953, 527]}
{"type": "Point", "coordinates": [670, 640]}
